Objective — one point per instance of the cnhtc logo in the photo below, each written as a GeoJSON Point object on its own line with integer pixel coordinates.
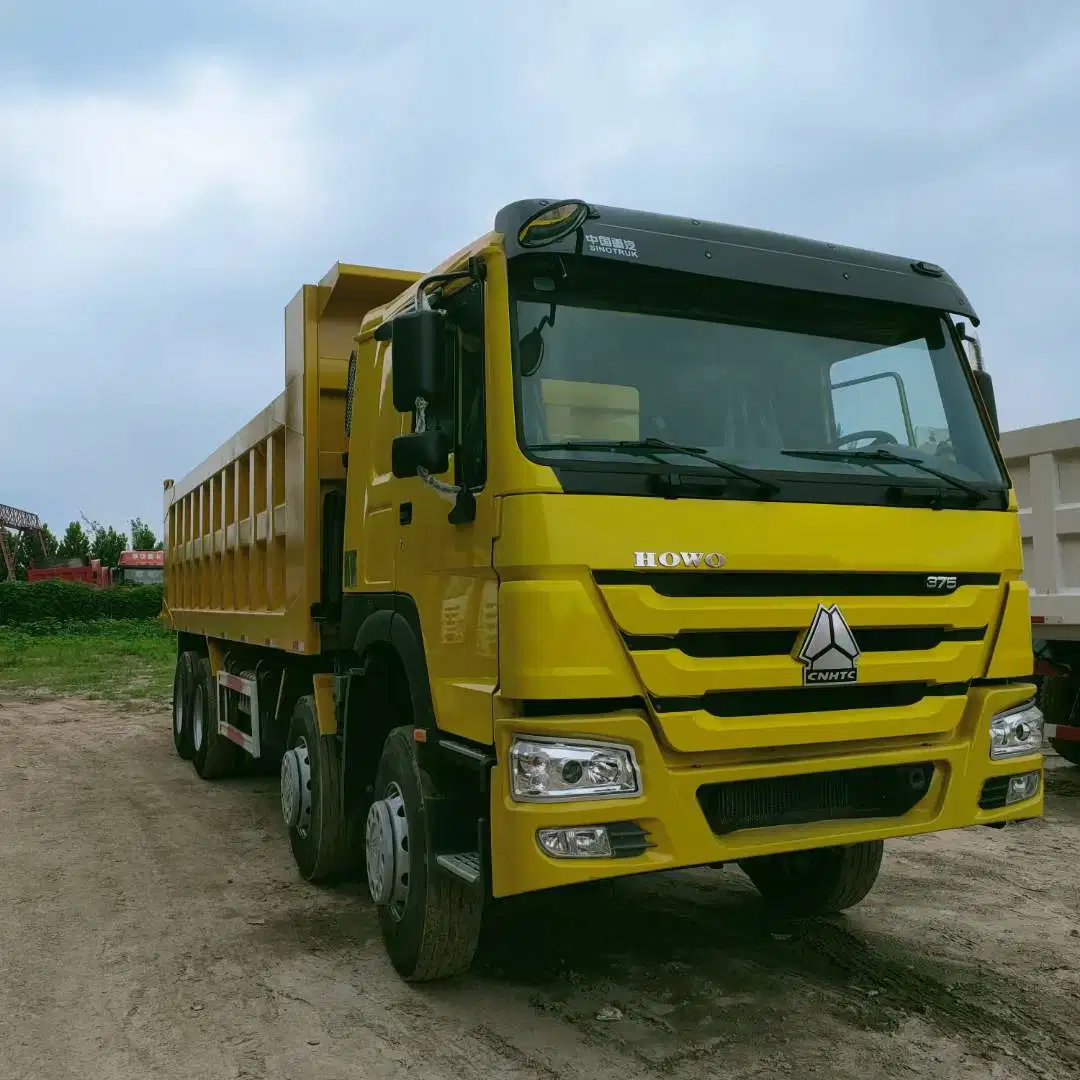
{"type": "Point", "coordinates": [829, 653]}
{"type": "Point", "coordinates": [671, 559]}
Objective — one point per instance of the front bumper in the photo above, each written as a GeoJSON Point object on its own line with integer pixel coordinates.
{"type": "Point", "coordinates": [678, 832]}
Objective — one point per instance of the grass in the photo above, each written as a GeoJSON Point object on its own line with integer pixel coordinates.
{"type": "Point", "coordinates": [114, 659]}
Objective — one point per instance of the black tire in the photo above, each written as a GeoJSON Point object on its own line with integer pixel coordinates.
{"type": "Point", "coordinates": [213, 755]}
{"type": "Point", "coordinates": [323, 843]}
{"type": "Point", "coordinates": [1069, 751]}
{"type": "Point", "coordinates": [1058, 700]}
{"type": "Point", "coordinates": [816, 882]}
{"type": "Point", "coordinates": [435, 935]}
{"type": "Point", "coordinates": [183, 689]}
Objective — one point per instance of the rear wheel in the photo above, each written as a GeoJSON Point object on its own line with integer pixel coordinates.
{"type": "Point", "coordinates": [322, 840]}
{"type": "Point", "coordinates": [212, 755]}
{"type": "Point", "coordinates": [183, 691]}
{"type": "Point", "coordinates": [430, 921]}
{"type": "Point", "coordinates": [819, 881]}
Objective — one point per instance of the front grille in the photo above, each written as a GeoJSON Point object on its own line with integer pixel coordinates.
{"type": "Point", "coordinates": [884, 791]}
{"type": "Point", "coordinates": [748, 583]}
{"type": "Point", "coordinates": [808, 699]}
{"type": "Point", "coordinates": [715, 644]}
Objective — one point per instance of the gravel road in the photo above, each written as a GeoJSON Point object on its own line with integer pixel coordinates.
{"type": "Point", "coordinates": [153, 926]}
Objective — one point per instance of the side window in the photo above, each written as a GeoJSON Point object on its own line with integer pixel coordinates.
{"type": "Point", "coordinates": [891, 391]}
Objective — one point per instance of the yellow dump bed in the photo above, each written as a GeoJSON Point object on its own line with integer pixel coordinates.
{"type": "Point", "coordinates": [243, 530]}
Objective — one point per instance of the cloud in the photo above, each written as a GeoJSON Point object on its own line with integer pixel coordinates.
{"type": "Point", "coordinates": [168, 184]}
{"type": "Point", "coordinates": [97, 179]}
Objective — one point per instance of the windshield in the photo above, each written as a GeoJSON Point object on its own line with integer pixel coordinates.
{"type": "Point", "coordinates": [746, 374]}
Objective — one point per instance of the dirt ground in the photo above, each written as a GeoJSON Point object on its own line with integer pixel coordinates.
{"type": "Point", "coordinates": [152, 925]}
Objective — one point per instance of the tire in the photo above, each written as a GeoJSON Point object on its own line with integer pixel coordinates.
{"type": "Point", "coordinates": [213, 755]}
{"type": "Point", "coordinates": [432, 932]}
{"type": "Point", "coordinates": [1068, 750]}
{"type": "Point", "coordinates": [323, 842]}
{"type": "Point", "coordinates": [1057, 699]}
{"type": "Point", "coordinates": [817, 882]}
{"type": "Point", "coordinates": [183, 688]}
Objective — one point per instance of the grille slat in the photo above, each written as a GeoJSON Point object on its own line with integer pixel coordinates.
{"type": "Point", "coordinates": [884, 791]}
{"type": "Point", "coordinates": [768, 583]}
{"type": "Point", "coordinates": [716, 644]}
{"type": "Point", "coordinates": [808, 699]}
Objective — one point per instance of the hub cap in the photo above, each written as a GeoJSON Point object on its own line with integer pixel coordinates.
{"type": "Point", "coordinates": [197, 724]}
{"type": "Point", "coordinates": [178, 714]}
{"type": "Point", "coordinates": [386, 849]}
{"type": "Point", "coordinates": [296, 788]}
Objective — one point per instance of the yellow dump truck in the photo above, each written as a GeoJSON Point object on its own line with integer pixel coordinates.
{"type": "Point", "coordinates": [620, 542]}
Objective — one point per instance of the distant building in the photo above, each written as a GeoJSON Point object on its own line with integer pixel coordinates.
{"type": "Point", "coordinates": [140, 568]}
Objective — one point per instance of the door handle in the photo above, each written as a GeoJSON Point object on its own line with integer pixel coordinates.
{"type": "Point", "coordinates": [404, 514]}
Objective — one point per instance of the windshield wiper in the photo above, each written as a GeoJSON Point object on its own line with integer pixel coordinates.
{"type": "Point", "coordinates": [653, 448]}
{"type": "Point", "coordinates": [880, 453]}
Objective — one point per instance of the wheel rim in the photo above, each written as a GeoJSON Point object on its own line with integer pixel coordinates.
{"type": "Point", "coordinates": [178, 711]}
{"type": "Point", "coordinates": [386, 852]}
{"type": "Point", "coordinates": [296, 788]}
{"type": "Point", "coordinates": [197, 720]}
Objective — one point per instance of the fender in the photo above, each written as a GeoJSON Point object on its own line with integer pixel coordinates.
{"type": "Point", "coordinates": [387, 619]}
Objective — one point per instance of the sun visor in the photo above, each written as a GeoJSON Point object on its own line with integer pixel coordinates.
{"type": "Point", "coordinates": [587, 410]}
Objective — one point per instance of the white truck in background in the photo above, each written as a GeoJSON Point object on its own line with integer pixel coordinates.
{"type": "Point", "coordinates": [1044, 463]}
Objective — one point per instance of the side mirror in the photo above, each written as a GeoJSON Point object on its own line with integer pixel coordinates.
{"type": "Point", "coordinates": [419, 363]}
{"type": "Point", "coordinates": [429, 450]}
{"type": "Point", "coordinates": [985, 383]}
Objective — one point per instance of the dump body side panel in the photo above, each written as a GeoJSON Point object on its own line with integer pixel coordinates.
{"type": "Point", "coordinates": [1044, 463]}
{"type": "Point", "coordinates": [243, 530]}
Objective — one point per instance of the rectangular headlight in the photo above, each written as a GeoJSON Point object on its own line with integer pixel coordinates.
{"type": "Point", "coordinates": [550, 770]}
{"type": "Point", "coordinates": [1016, 732]}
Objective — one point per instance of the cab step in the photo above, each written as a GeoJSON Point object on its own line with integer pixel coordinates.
{"type": "Point", "coordinates": [465, 865]}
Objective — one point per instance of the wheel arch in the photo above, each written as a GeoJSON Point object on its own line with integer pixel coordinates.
{"type": "Point", "coordinates": [387, 688]}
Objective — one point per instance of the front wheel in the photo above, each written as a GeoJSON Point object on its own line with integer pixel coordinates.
{"type": "Point", "coordinates": [816, 882]}
{"type": "Point", "coordinates": [1066, 749]}
{"type": "Point", "coordinates": [430, 921]}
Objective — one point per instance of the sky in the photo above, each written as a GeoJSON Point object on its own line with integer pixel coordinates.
{"type": "Point", "coordinates": [171, 174]}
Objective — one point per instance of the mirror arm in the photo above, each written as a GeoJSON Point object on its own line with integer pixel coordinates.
{"type": "Point", "coordinates": [476, 270]}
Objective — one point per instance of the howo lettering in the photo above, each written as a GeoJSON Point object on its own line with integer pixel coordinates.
{"type": "Point", "coordinates": [616, 543]}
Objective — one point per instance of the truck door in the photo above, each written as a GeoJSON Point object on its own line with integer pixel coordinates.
{"type": "Point", "coordinates": [446, 568]}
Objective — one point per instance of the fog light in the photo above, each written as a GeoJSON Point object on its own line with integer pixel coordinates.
{"type": "Point", "coordinates": [583, 842]}
{"type": "Point", "coordinates": [550, 770]}
{"type": "Point", "coordinates": [1024, 786]}
{"type": "Point", "coordinates": [1016, 732]}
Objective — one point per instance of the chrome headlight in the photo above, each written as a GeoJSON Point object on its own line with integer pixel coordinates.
{"type": "Point", "coordinates": [1016, 732]}
{"type": "Point", "coordinates": [549, 770]}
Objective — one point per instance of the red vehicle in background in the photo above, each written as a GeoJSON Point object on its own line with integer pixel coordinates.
{"type": "Point", "coordinates": [90, 573]}
{"type": "Point", "coordinates": [140, 568]}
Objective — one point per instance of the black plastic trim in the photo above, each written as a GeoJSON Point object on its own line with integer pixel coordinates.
{"type": "Point", "coordinates": [554, 708]}
{"type": "Point", "coordinates": [628, 839]}
{"type": "Point", "coordinates": [808, 699]}
{"type": "Point", "coordinates": [705, 644]}
{"type": "Point", "coordinates": [753, 583]}
{"type": "Point", "coordinates": [994, 792]}
{"type": "Point", "coordinates": [884, 791]}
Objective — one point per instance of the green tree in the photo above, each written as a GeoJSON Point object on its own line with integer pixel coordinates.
{"type": "Point", "coordinates": [142, 536]}
{"type": "Point", "coordinates": [30, 549]}
{"type": "Point", "coordinates": [75, 544]}
{"type": "Point", "coordinates": [106, 543]}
